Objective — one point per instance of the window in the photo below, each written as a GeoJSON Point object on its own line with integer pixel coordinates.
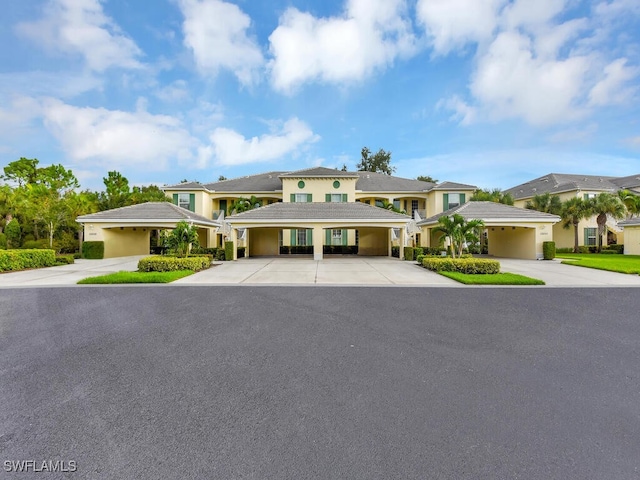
{"type": "Point", "coordinates": [185, 200]}
{"type": "Point", "coordinates": [336, 197]}
{"type": "Point", "coordinates": [451, 200]}
{"type": "Point", "coordinates": [336, 237]}
{"type": "Point", "coordinates": [588, 196]}
{"type": "Point", "coordinates": [301, 197]}
{"type": "Point", "coordinates": [414, 205]}
{"type": "Point", "coordinates": [379, 202]}
{"type": "Point", "coordinates": [396, 203]}
{"type": "Point", "coordinates": [301, 237]}
{"type": "Point", "coordinates": [590, 236]}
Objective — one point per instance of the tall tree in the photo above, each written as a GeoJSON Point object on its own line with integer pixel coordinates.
{"type": "Point", "coordinates": [606, 205]}
{"type": "Point", "coordinates": [573, 211]}
{"type": "Point", "coordinates": [77, 204]}
{"type": "Point", "coordinates": [117, 191]}
{"type": "Point", "coordinates": [23, 171]}
{"type": "Point", "coordinates": [496, 195]}
{"type": "Point", "coordinates": [426, 178]}
{"type": "Point", "coordinates": [379, 162]}
{"type": "Point", "coordinates": [631, 202]}
{"type": "Point", "coordinates": [546, 203]}
{"type": "Point", "coordinates": [150, 193]}
{"type": "Point", "coordinates": [387, 205]}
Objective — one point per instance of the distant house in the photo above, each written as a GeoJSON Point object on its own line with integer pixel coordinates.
{"type": "Point", "coordinates": [582, 186]}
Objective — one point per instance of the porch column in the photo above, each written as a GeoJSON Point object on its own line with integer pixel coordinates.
{"type": "Point", "coordinates": [401, 240]}
{"type": "Point", "coordinates": [234, 239]}
{"type": "Point", "coordinates": [246, 242]}
{"type": "Point", "coordinates": [390, 242]}
{"type": "Point", "coordinates": [318, 240]}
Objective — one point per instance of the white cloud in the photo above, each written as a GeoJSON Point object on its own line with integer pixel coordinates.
{"type": "Point", "coordinates": [216, 32]}
{"type": "Point", "coordinates": [451, 24]}
{"type": "Point", "coordinates": [116, 137]}
{"type": "Point", "coordinates": [610, 89]}
{"type": "Point", "coordinates": [81, 27]}
{"type": "Point", "coordinates": [173, 92]}
{"type": "Point", "coordinates": [231, 148]}
{"type": "Point", "coordinates": [368, 36]}
{"type": "Point", "coordinates": [463, 113]}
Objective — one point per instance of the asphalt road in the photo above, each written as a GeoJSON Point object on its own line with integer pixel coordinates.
{"type": "Point", "coordinates": [314, 382]}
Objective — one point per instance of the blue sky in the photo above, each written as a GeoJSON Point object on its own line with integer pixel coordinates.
{"type": "Point", "coordinates": [487, 92]}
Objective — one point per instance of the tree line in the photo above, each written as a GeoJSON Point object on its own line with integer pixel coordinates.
{"type": "Point", "coordinates": [39, 205]}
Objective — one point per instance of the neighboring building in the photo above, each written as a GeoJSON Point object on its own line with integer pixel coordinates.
{"type": "Point", "coordinates": [275, 228]}
{"type": "Point", "coordinates": [632, 236]}
{"type": "Point", "coordinates": [582, 186]}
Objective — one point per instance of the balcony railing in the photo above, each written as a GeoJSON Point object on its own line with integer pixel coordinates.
{"type": "Point", "coordinates": [422, 214]}
{"type": "Point", "coordinates": [218, 215]}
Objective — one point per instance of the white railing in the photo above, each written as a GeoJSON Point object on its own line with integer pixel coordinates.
{"type": "Point", "coordinates": [218, 215]}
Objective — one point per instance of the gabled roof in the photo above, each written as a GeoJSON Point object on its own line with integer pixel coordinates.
{"type": "Point", "coordinates": [632, 181]}
{"type": "Point", "coordinates": [561, 182]}
{"type": "Point", "coordinates": [492, 211]}
{"type": "Point", "coordinates": [148, 212]}
{"type": "Point", "coordinates": [262, 182]}
{"type": "Point", "coordinates": [185, 186]}
{"type": "Point", "coordinates": [321, 172]}
{"type": "Point", "coordinates": [319, 211]}
{"type": "Point", "coordinates": [379, 182]}
{"type": "Point", "coordinates": [630, 222]}
{"type": "Point", "coordinates": [454, 186]}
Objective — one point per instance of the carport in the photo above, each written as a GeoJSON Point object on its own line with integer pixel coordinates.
{"type": "Point", "coordinates": [512, 232]}
{"type": "Point", "coordinates": [631, 229]}
{"type": "Point", "coordinates": [127, 230]}
{"type": "Point", "coordinates": [262, 227]}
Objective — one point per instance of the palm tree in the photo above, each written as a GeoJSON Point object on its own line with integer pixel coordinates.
{"type": "Point", "coordinates": [458, 231]}
{"type": "Point", "coordinates": [631, 202]}
{"type": "Point", "coordinates": [182, 238]}
{"type": "Point", "coordinates": [546, 203]}
{"type": "Point", "coordinates": [604, 205]}
{"type": "Point", "coordinates": [387, 205]}
{"type": "Point", "coordinates": [574, 210]}
{"type": "Point", "coordinates": [243, 204]}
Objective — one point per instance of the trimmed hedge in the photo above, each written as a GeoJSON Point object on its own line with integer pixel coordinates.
{"type": "Point", "coordinates": [65, 259]}
{"type": "Point", "coordinates": [228, 250]}
{"type": "Point", "coordinates": [93, 250]}
{"type": "Point", "coordinates": [607, 251]}
{"type": "Point", "coordinates": [409, 253]}
{"type": "Point", "coordinates": [3, 241]}
{"type": "Point", "coordinates": [12, 260]}
{"type": "Point", "coordinates": [549, 250]}
{"type": "Point", "coordinates": [164, 263]}
{"type": "Point", "coordinates": [418, 251]}
{"type": "Point", "coordinates": [618, 248]}
{"type": "Point", "coordinates": [462, 265]}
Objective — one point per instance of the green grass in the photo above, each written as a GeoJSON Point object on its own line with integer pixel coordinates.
{"type": "Point", "coordinates": [612, 263]}
{"type": "Point", "coordinates": [136, 277]}
{"type": "Point", "coordinates": [492, 279]}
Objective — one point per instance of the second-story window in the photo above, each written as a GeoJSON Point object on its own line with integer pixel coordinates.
{"type": "Point", "coordinates": [184, 201]}
{"type": "Point", "coordinates": [336, 197]}
{"type": "Point", "coordinates": [301, 197]}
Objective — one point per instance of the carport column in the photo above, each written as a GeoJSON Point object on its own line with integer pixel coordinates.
{"type": "Point", "coordinates": [402, 237]}
{"type": "Point", "coordinates": [246, 242]}
{"type": "Point", "coordinates": [318, 240]}
{"type": "Point", "coordinates": [234, 239]}
{"type": "Point", "coordinates": [389, 253]}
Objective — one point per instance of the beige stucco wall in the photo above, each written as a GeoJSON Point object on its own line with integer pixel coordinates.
{"type": "Point", "coordinates": [263, 241]}
{"type": "Point", "coordinates": [125, 242]}
{"type": "Point", "coordinates": [632, 240]}
{"type": "Point", "coordinates": [319, 187]}
{"type": "Point", "coordinates": [373, 241]}
{"type": "Point", "coordinates": [512, 243]}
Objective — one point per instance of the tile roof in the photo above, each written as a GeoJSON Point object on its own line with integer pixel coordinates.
{"type": "Point", "coordinates": [561, 182]}
{"type": "Point", "coordinates": [147, 213]}
{"type": "Point", "coordinates": [379, 182]}
{"type": "Point", "coordinates": [454, 186]}
{"type": "Point", "coordinates": [488, 211]}
{"type": "Point", "coordinates": [632, 181]}
{"type": "Point", "coordinates": [319, 211]}
{"type": "Point", "coordinates": [185, 186]}
{"type": "Point", "coordinates": [630, 222]}
{"type": "Point", "coordinates": [319, 172]}
{"type": "Point", "coordinates": [262, 182]}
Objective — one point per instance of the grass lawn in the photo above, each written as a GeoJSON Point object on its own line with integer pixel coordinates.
{"type": "Point", "coordinates": [492, 279]}
{"type": "Point", "coordinates": [136, 277]}
{"type": "Point", "coordinates": [613, 263]}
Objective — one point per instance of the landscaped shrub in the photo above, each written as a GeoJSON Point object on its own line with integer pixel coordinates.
{"type": "Point", "coordinates": [607, 251]}
{"type": "Point", "coordinates": [462, 265]}
{"type": "Point", "coordinates": [583, 249]}
{"type": "Point", "coordinates": [409, 253]}
{"type": "Point", "coordinates": [93, 250]}
{"type": "Point", "coordinates": [12, 260]}
{"type": "Point", "coordinates": [31, 244]}
{"type": "Point", "coordinates": [13, 232]}
{"type": "Point", "coordinates": [228, 250]}
{"type": "Point", "coordinates": [241, 251]}
{"type": "Point", "coordinates": [339, 249]}
{"type": "Point", "coordinates": [65, 259]}
{"type": "Point", "coordinates": [164, 263]}
{"type": "Point", "coordinates": [220, 254]}
{"type": "Point", "coordinates": [564, 250]}
{"type": "Point", "coordinates": [418, 251]}
{"type": "Point", "coordinates": [618, 248]}
{"type": "Point", "coordinates": [66, 243]}
{"type": "Point", "coordinates": [549, 250]}
{"type": "Point", "coordinates": [421, 257]}
{"type": "Point", "coordinates": [201, 250]}
{"type": "Point", "coordinates": [3, 241]}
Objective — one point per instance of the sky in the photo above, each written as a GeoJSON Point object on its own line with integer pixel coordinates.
{"type": "Point", "coordinates": [491, 93]}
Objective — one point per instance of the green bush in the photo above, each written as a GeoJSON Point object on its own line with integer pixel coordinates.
{"type": "Point", "coordinates": [549, 250]}
{"type": "Point", "coordinates": [66, 242]}
{"type": "Point", "coordinates": [618, 248]}
{"type": "Point", "coordinates": [583, 249]}
{"type": "Point", "coordinates": [607, 251]}
{"type": "Point", "coordinates": [462, 265]}
{"type": "Point", "coordinates": [564, 250]}
{"type": "Point", "coordinates": [93, 250]}
{"type": "Point", "coordinates": [31, 244]}
{"type": "Point", "coordinates": [220, 254]}
{"type": "Point", "coordinates": [164, 263]}
{"type": "Point", "coordinates": [409, 253]}
{"type": "Point", "coordinates": [12, 260]}
{"type": "Point", "coordinates": [228, 250]}
{"type": "Point", "coordinates": [65, 259]}
{"type": "Point", "coordinates": [14, 233]}
{"type": "Point", "coordinates": [241, 251]}
{"type": "Point", "coordinates": [418, 251]}
{"type": "Point", "coordinates": [3, 241]}
{"type": "Point", "coordinates": [421, 257]}
{"type": "Point", "coordinates": [209, 250]}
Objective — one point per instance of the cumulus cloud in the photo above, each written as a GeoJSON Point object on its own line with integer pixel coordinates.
{"type": "Point", "coordinates": [117, 137]}
{"type": "Point", "coordinates": [216, 32]}
{"type": "Point", "coordinates": [532, 61]}
{"type": "Point", "coordinates": [452, 24]}
{"type": "Point", "coordinates": [229, 147]}
{"type": "Point", "coordinates": [81, 27]}
{"type": "Point", "coordinates": [368, 36]}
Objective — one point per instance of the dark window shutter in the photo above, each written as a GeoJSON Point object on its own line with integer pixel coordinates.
{"type": "Point", "coordinates": [293, 237]}
{"type": "Point", "coordinates": [344, 197]}
{"type": "Point", "coordinates": [327, 236]}
{"type": "Point", "coordinates": [327, 197]}
{"type": "Point", "coordinates": [192, 202]}
{"type": "Point", "coordinates": [445, 201]}
{"type": "Point", "coordinates": [293, 197]}
{"type": "Point", "coordinates": [344, 237]}
{"type": "Point", "coordinates": [462, 197]}
{"type": "Point", "coordinates": [310, 236]}
{"type": "Point", "coordinates": [309, 197]}
{"type": "Point", "coordinates": [175, 199]}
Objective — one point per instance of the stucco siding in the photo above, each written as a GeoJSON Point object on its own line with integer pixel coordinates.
{"type": "Point", "coordinates": [508, 242]}
{"type": "Point", "coordinates": [125, 242]}
{"type": "Point", "coordinates": [632, 240]}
